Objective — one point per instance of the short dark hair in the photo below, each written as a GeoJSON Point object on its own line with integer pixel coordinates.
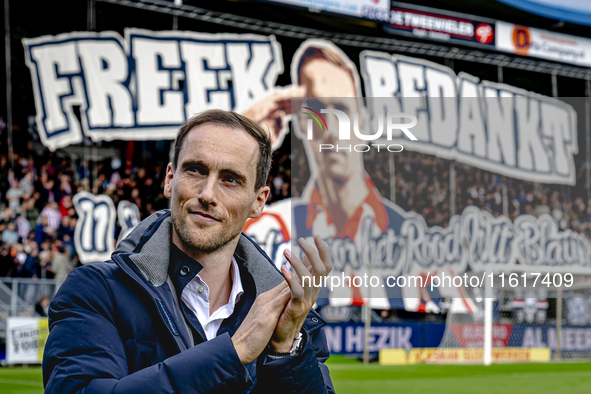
{"type": "Point", "coordinates": [234, 121]}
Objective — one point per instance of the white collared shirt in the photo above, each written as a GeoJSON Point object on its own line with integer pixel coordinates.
{"type": "Point", "coordinates": [196, 296]}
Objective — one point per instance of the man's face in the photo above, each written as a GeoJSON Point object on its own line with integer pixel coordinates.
{"type": "Point", "coordinates": [212, 187]}
{"type": "Point", "coordinates": [331, 87]}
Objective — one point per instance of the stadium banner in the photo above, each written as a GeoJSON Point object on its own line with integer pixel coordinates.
{"type": "Point", "coordinates": [366, 9]}
{"type": "Point", "coordinates": [145, 85]}
{"type": "Point", "coordinates": [25, 339]}
{"type": "Point", "coordinates": [491, 126]}
{"type": "Point", "coordinates": [428, 23]}
{"type": "Point", "coordinates": [471, 335]}
{"type": "Point", "coordinates": [347, 338]}
{"type": "Point", "coordinates": [94, 235]}
{"type": "Point", "coordinates": [128, 217]}
{"type": "Point", "coordinates": [400, 244]}
{"type": "Point", "coordinates": [573, 339]}
{"type": "Point", "coordinates": [461, 356]}
{"type": "Point", "coordinates": [344, 338]}
{"type": "Point", "coordinates": [578, 310]}
{"type": "Point", "coordinates": [544, 44]}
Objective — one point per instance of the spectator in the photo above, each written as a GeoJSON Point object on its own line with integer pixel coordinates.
{"type": "Point", "coordinates": [61, 264]}
{"type": "Point", "coordinates": [23, 227]}
{"type": "Point", "coordinates": [26, 184]}
{"type": "Point", "coordinates": [17, 270]}
{"type": "Point", "coordinates": [31, 264]}
{"type": "Point", "coordinates": [47, 191]}
{"type": "Point", "coordinates": [13, 196]}
{"type": "Point", "coordinates": [52, 213]}
{"type": "Point", "coordinates": [277, 184]}
{"type": "Point", "coordinates": [45, 264]}
{"type": "Point", "coordinates": [6, 260]}
{"type": "Point", "coordinates": [65, 188]}
{"type": "Point", "coordinates": [65, 205]}
{"type": "Point", "coordinates": [65, 232]}
{"type": "Point", "coordinates": [2, 124]}
{"type": "Point", "coordinates": [42, 307]}
{"type": "Point", "coordinates": [31, 212]}
{"type": "Point", "coordinates": [42, 231]}
{"type": "Point", "coordinates": [4, 177]}
{"type": "Point", "coordinates": [6, 217]}
{"type": "Point", "coordinates": [9, 235]}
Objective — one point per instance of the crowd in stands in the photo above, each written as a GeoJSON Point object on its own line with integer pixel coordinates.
{"type": "Point", "coordinates": [37, 216]}
{"type": "Point", "coordinates": [422, 185]}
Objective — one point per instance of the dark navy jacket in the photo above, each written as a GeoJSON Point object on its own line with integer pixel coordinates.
{"type": "Point", "coordinates": [116, 327]}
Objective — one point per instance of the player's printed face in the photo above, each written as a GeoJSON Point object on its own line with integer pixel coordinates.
{"type": "Point", "coordinates": [212, 188]}
{"type": "Point", "coordinates": [329, 86]}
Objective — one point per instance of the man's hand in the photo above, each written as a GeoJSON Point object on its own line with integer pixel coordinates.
{"type": "Point", "coordinates": [311, 272]}
{"type": "Point", "coordinates": [254, 332]}
{"type": "Point", "coordinates": [271, 111]}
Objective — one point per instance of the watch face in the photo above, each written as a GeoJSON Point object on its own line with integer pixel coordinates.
{"type": "Point", "coordinates": [297, 344]}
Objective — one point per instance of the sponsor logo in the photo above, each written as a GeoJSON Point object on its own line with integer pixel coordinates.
{"type": "Point", "coordinates": [447, 26]}
{"type": "Point", "coordinates": [440, 27]}
{"type": "Point", "coordinates": [484, 33]}
{"type": "Point", "coordinates": [521, 40]}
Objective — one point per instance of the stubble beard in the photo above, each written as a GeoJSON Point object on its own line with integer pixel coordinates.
{"type": "Point", "coordinates": [209, 244]}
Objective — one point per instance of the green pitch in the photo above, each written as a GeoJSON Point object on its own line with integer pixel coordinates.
{"type": "Point", "coordinates": [352, 377]}
{"type": "Point", "coordinates": [19, 380]}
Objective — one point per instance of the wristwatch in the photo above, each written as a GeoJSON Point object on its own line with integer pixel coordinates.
{"type": "Point", "coordinates": [295, 349]}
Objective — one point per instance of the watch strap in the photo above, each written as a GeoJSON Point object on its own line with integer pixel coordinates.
{"type": "Point", "coordinates": [295, 349]}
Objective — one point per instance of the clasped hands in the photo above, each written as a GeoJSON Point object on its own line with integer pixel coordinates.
{"type": "Point", "coordinates": [276, 317]}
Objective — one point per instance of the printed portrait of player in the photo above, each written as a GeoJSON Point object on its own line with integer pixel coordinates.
{"type": "Point", "coordinates": [339, 202]}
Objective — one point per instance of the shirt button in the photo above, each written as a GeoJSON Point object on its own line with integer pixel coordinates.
{"type": "Point", "coordinates": [207, 327]}
{"type": "Point", "coordinates": [185, 271]}
{"type": "Point", "coordinates": [201, 289]}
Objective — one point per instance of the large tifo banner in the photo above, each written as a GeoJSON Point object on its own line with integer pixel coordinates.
{"type": "Point", "coordinates": [94, 236]}
{"type": "Point", "coordinates": [25, 339]}
{"type": "Point", "coordinates": [493, 126]}
{"type": "Point", "coordinates": [144, 85]}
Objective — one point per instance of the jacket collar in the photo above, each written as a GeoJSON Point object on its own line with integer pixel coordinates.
{"type": "Point", "coordinates": [144, 255]}
{"type": "Point", "coordinates": [148, 248]}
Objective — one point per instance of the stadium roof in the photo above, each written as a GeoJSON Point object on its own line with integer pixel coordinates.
{"type": "Point", "coordinates": [522, 12]}
{"type": "Point", "coordinates": [573, 11]}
